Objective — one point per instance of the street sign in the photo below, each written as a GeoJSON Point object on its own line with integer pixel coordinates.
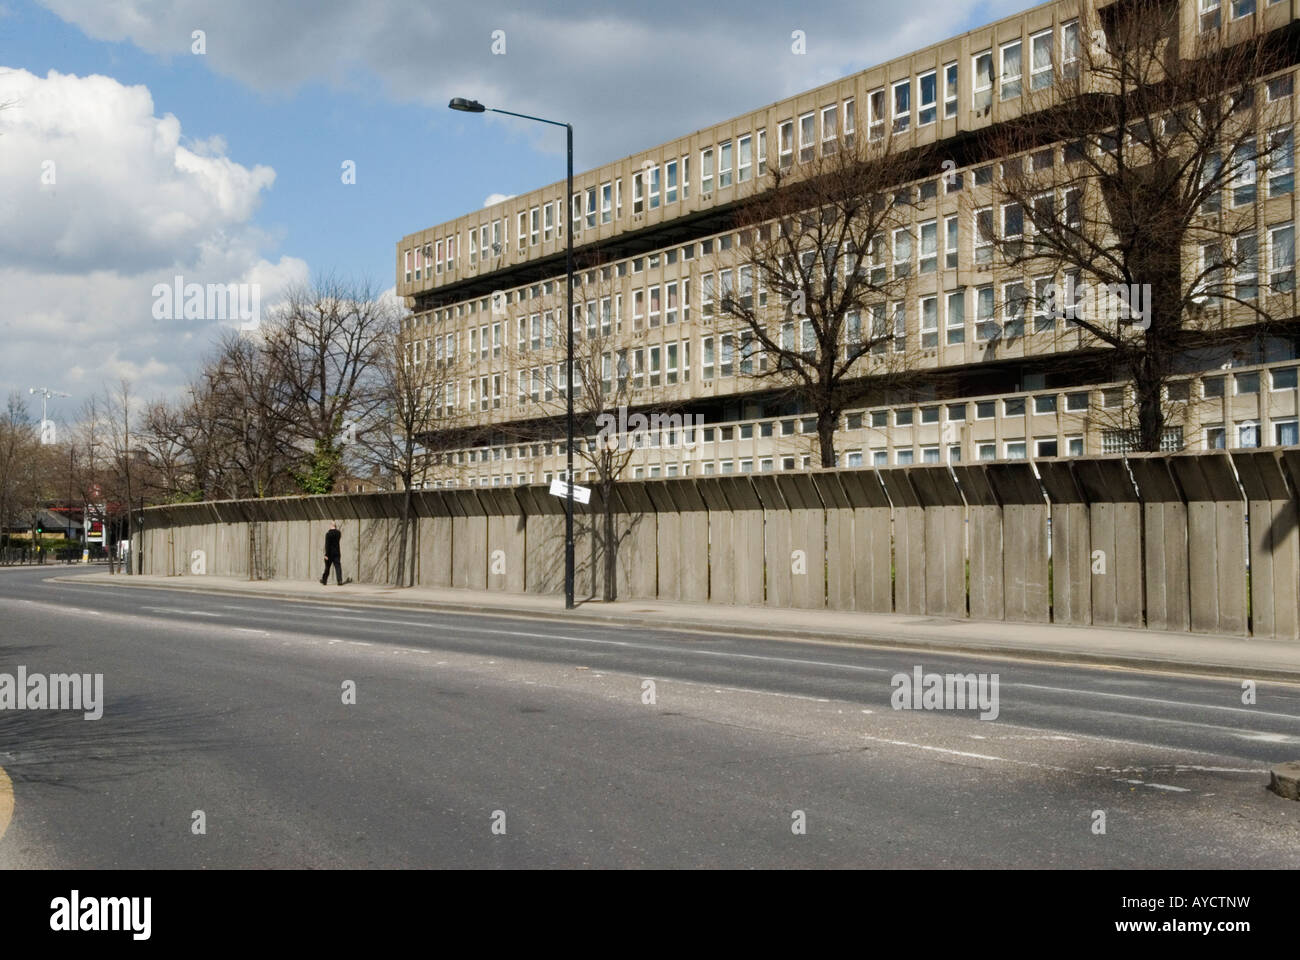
{"type": "Point", "coordinates": [561, 489]}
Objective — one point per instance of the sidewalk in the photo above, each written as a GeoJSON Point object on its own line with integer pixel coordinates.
{"type": "Point", "coordinates": [1235, 657]}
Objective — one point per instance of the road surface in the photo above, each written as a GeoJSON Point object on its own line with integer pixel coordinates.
{"type": "Point", "coordinates": [491, 741]}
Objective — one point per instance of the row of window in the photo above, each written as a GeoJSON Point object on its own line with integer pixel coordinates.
{"type": "Point", "coordinates": [1247, 434]}
{"type": "Point", "coordinates": [738, 160]}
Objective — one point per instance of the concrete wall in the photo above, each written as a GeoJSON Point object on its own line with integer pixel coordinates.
{"type": "Point", "coordinates": [1204, 542]}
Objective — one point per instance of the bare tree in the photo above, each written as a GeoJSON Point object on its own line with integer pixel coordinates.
{"type": "Point", "coordinates": [17, 444]}
{"type": "Point", "coordinates": [626, 396]}
{"type": "Point", "coordinates": [1167, 146]}
{"type": "Point", "coordinates": [322, 344]}
{"type": "Point", "coordinates": [410, 413]}
{"type": "Point", "coordinates": [802, 306]}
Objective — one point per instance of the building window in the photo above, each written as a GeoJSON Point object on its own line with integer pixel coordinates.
{"type": "Point", "coordinates": [1215, 438]}
{"type": "Point", "coordinates": [1243, 182]}
{"type": "Point", "coordinates": [1015, 450]}
{"type": "Point", "coordinates": [1045, 403]}
{"type": "Point", "coordinates": [984, 235]}
{"type": "Point", "coordinates": [724, 164]}
{"type": "Point", "coordinates": [807, 137]}
{"type": "Point", "coordinates": [706, 171]}
{"type": "Point", "coordinates": [956, 317]}
{"type": "Point", "coordinates": [1045, 448]}
{"type": "Point", "coordinates": [1011, 70]}
{"type": "Point", "coordinates": [927, 96]}
{"type": "Point", "coordinates": [1209, 14]}
{"type": "Point", "coordinates": [1246, 383]}
{"type": "Point", "coordinates": [1242, 8]}
{"type": "Point", "coordinates": [1285, 433]}
{"type": "Point", "coordinates": [744, 158]}
{"type": "Point", "coordinates": [929, 322]}
{"type": "Point", "coordinates": [1040, 60]}
{"type": "Point", "coordinates": [902, 105]}
{"type": "Point", "coordinates": [1014, 297]}
{"type": "Point", "coordinates": [1281, 162]}
{"type": "Point", "coordinates": [1284, 379]}
{"type": "Point", "coordinates": [950, 242]}
{"type": "Point", "coordinates": [830, 131]}
{"type": "Point", "coordinates": [785, 143]}
{"type": "Point", "coordinates": [1044, 317]}
{"type": "Point", "coordinates": [904, 457]}
{"type": "Point", "coordinates": [849, 122]}
{"type": "Point", "coordinates": [1070, 49]}
{"type": "Point", "coordinates": [1248, 434]}
{"type": "Point", "coordinates": [950, 91]}
{"type": "Point", "coordinates": [1246, 271]}
{"type": "Point", "coordinates": [1281, 245]}
{"type": "Point", "coordinates": [762, 150]}
{"type": "Point", "coordinates": [982, 81]}
{"type": "Point", "coordinates": [876, 114]}
{"type": "Point", "coordinates": [986, 327]}
{"type": "Point", "coordinates": [929, 246]}
{"type": "Point", "coordinates": [1074, 446]}
{"type": "Point", "coordinates": [902, 252]}
{"type": "Point", "coordinates": [987, 451]}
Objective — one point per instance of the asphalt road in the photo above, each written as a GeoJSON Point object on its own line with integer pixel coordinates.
{"type": "Point", "coordinates": [466, 725]}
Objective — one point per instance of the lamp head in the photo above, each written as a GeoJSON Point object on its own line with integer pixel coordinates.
{"type": "Point", "coordinates": [466, 106]}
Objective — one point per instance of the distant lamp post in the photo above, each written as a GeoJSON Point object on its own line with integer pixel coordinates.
{"type": "Point", "coordinates": [465, 105]}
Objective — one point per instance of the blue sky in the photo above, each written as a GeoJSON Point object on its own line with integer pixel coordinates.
{"type": "Point", "coordinates": [225, 167]}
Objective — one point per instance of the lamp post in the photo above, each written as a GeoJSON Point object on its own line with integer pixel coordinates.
{"type": "Point", "coordinates": [473, 106]}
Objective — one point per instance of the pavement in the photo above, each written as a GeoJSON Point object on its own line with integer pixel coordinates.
{"type": "Point", "coordinates": [1240, 658]}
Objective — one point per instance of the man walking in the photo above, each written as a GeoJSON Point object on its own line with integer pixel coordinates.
{"type": "Point", "coordinates": [332, 556]}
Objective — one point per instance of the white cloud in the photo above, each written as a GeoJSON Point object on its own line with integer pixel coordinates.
{"type": "Point", "coordinates": [104, 199]}
{"type": "Point", "coordinates": [628, 77]}
{"type": "Point", "coordinates": [495, 198]}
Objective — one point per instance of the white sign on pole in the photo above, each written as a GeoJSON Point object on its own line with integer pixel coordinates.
{"type": "Point", "coordinates": [560, 488]}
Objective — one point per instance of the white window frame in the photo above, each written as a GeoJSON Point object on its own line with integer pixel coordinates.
{"type": "Point", "coordinates": [876, 107]}
{"type": "Point", "coordinates": [902, 120]}
{"type": "Point", "coordinates": [1011, 85]}
{"type": "Point", "coordinates": [981, 83]}
{"type": "Point", "coordinates": [1040, 76]}
{"type": "Point", "coordinates": [927, 112]}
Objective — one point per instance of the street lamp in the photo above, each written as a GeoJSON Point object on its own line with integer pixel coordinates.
{"type": "Point", "coordinates": [46, 393]}
{"type": "Point", "coordinates": [473, 106]}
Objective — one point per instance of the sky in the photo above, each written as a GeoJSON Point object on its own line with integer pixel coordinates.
{"type": "Point", "coordinates": [144, 140]}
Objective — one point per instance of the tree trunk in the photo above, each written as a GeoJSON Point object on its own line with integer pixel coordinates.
{"type": "Point", "coordinates": [400, 579]}
{"type": "Point", "coordinates": [827, 421]}
{"type": "Point", "coordinates": [611, 549]}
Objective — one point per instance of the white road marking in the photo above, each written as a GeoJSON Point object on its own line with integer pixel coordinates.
{"type": "Point", "coordinates": [1239, 732]}
{"type": "Point", "coordinates": [187, 613]}
{"type": "Point", "coordinates": [1172, 703]}
{"type": "Point", "coordinates": [1155, 786]}
{"type": "Point", "coordinates": [966, 753]}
